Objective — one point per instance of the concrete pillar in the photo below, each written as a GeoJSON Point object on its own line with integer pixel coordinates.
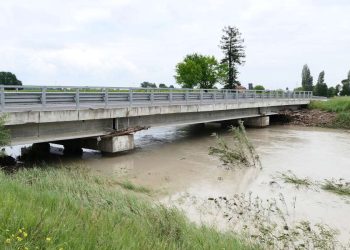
{"type": "Point", "coordinates": [111, 144]}
{"type": "Point", "coordinates": [42, 148]}
{"type": "Point", "coordinates": [257, 122]}
{"type": "Point", "coordinates": [116, 144]}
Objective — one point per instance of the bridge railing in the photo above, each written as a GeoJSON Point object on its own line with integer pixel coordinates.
{"type": "Point", "coordinates": [80, 96]}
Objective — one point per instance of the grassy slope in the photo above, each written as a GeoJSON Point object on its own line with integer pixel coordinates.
{"type": "Point", "coordinates": [340, 105]}
{"type": "Point", "coordinates": [68, 209]}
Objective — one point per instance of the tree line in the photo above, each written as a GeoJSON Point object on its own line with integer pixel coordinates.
{"type": "Point", "coordinates": [321, 88]}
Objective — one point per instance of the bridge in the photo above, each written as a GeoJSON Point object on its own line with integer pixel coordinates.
{"type": "Point", "coordinates": [104, 118]}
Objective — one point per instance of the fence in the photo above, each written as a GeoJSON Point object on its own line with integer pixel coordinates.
{"type": "Point", "coordinates": [78, 97]}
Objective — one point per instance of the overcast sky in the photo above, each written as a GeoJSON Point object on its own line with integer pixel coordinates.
{"type": "Point", "coordinates": [125, 42]}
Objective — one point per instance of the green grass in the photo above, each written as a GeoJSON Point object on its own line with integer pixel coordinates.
{"type": "Point", "coordinates": [61, 208]}
{"type": "Point", "coordinates": [130, 186]}
{"type": "Point", "coordinates": [291, 178]}
{"type": "Point", "coordinates": [339, 105]}
{"type": "Point", "coordinates": [336, 104]}
{"type": "Point", "coordinates": [337, 187]}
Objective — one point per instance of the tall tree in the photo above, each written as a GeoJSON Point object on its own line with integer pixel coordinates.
{"type": "Point", "coordinates": [198, 71]}
{"type": "Point", "coordinates": [232, 46]}
{"type": "Point", "coordinates": [306, 79]}
{"type": "Point", "coordinates": [321, 87]}
{"type": "Point", "coordinates": [7, 78]}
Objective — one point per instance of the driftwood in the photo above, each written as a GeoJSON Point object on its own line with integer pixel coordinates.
{"type": "Point", "coordinates": [127, 131]}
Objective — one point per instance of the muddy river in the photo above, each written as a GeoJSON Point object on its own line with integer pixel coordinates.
{"type": "Point", "coordinates": [174, 163]}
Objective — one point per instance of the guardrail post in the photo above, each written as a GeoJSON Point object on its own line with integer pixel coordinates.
{"type": "Point", "coordinates": [214, 96]}
{"type": "Point", "coordinates": [43, 96]}
{"type": "Point", "coordinates": [237, 96]}
{"type": "Point", "coordinates": [225, 95]}
{"type": "Point", "coordinates": [106, 97]}
{"type": "Point", "coordinates": [170, 96]}
{"type": "Point", "coordinates": [186, 96]}
{"type": "Point", "coordinates": [130, 97]}
{"type": "Point", "coordinates": [77, 100]}
{"type": "Point", "coordinates": [201, 96]}
{"type": "Point", "coordinates": [152, 96]}
{"type": "Point", "coordinates": [2, 97]}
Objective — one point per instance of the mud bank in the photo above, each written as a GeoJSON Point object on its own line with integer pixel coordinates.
{"type": "Point", "coordinates": [309, 118]}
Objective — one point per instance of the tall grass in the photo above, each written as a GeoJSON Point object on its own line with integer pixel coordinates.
{"type": "Point", "coordinates": [59, 208]}
{"type": "Point", "coordinates": [336, 104]}
{"type": "Point", "coordinates": [340, 105]}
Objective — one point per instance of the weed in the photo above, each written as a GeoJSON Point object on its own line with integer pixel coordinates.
{"type": "Point", "coordinates": [290, 177]}
{"type": "Point", "coordinates": [340, 186]}
{"type": "Point", "coordinates": [242, 153]}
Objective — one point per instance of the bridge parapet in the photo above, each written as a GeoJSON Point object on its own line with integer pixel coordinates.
{"type": "Point", "coordinates": [17, 98]}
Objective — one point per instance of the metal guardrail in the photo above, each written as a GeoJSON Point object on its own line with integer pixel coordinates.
{"type": "Point", "coordinates": [79, 96]}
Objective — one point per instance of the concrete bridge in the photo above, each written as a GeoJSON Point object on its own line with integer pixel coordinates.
{"type": "Point", "coordinates": [104, 118]}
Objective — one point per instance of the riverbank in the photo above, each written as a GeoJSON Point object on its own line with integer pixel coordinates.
{"type": "Point", "coordinates": [67, 208]}
{"type": "Point", "coordinates": [333, 113]}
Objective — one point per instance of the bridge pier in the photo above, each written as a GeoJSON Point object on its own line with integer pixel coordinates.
{"type": "Point", "coordinates": [111, 144]}
{"type": "Point", "coordinates": [257, 122]}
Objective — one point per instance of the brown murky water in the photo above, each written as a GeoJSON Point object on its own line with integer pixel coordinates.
{"type": "Point", "coordinates": [174, 162]}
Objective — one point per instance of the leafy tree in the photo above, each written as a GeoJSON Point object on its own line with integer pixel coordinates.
{"type": "Point", "coordinates": [7, 78]}
{"type": "Point", "coordinates": [345, 88]}
{"type": "Point", "coordinates": [306, 79]}
{"type": "Point", "coordinates": [162, 86]}
{"type": "Point", "coordinates": [148, 85]}
{"type": "Point", "coordinates": [321, 87]}
{"type": "Point", "coordinates": [331, 92]}
{"type": "Point", "coordinates": [259, 87]}
{"type": "Point", "coordinates": [232, 46]}
{"type": "Point", "coordinates": [171, 86]}
{"type": "Point", "coordinates": [198, 71]}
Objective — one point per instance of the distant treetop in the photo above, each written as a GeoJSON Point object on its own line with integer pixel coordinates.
{"type": "Point", "coordinates": [7, 78]}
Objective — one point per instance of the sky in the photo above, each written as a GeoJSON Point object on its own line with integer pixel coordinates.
{"type": "Point", "coordinates": [126, 42]}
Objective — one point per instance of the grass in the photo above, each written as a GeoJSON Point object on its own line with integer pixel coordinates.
{"type": "Point", "coordinates": [66, 208]}
{"type": "Point", "coordinates": [291, 178]}
{"type": "Point", "coordinates": [336, 186]}
{"type": "Point", "coordinates": [242, 152]}
{"type": "Point", "coordinates": [339, 105]}
{"type": "Point", "coordinates": [130, 186]}
{"type": "Point", "coordinates": [336, 104]}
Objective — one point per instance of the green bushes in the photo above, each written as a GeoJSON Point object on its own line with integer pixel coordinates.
{"type": "Point", "coordinates": [59, 208]}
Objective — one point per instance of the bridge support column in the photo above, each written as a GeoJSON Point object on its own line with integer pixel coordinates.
{"type": "Point", "coordinates": [116, 144]}
{"type": "Point", "coordinates": [257, 122]}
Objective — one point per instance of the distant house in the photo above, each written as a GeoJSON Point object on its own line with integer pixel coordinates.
{"type": "Point", "coordinates": [240, 88]}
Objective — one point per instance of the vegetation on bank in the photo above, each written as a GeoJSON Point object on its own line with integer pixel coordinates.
{"type": "Point", "coordinates": [339, 105]}
{"type": "Point", "coordinates": [61, 208]}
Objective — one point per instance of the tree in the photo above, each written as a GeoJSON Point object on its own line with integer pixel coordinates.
{"type": "Point", "coordinates": [232, 46]}
{"type": "Point", "coordinates": [198, 71]}
{"type": "Point", "coordinates": [306, 79]}
{"type": "Point", "coordinates": [7, 78]}
{"type": "Point", "coordinates": [259, 87]}
{"type": "Point", "coordinates": [171, 86]}
{"type": "Point", "coordinates": [148, 85]}
{"type": "Point", "coordinates": [321, 87]}
{"type": "Point", "coordinates": [332, 92]}
{"type": "Point", "coordinates": [162, 86]}
{"type": "Point", "coordinates": [345, 87]}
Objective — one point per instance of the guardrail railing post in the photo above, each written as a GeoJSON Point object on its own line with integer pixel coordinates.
{"type": "Point", "coordinates": [225, 95]}
{"type": "Point", "coordinates": [43, 96]}
{"type": "Point", "coordinates": [77, 100]}
{"type": "Point", "coordinates": [214, 96]}
{"type": "Point", "coordinates": [170, 96]}
{"type": "Point", "coordinates": [237, 96]}
{"type": "Point", "coordinates": [186, 96]}
{"type": "Point", "coordinates": [2, 97]}
{"type": "Point", "coordinates": [106, 97]}
{"type": "Point", "coordinates": [152, 96]}
{"type": "Point", "coordinates": [130, 97]}
{"type": "Point", "coordinates": [201, 96]}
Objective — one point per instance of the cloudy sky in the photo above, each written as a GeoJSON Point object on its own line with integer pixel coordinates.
{"type": "Point", "coordinates": [125, 42]}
